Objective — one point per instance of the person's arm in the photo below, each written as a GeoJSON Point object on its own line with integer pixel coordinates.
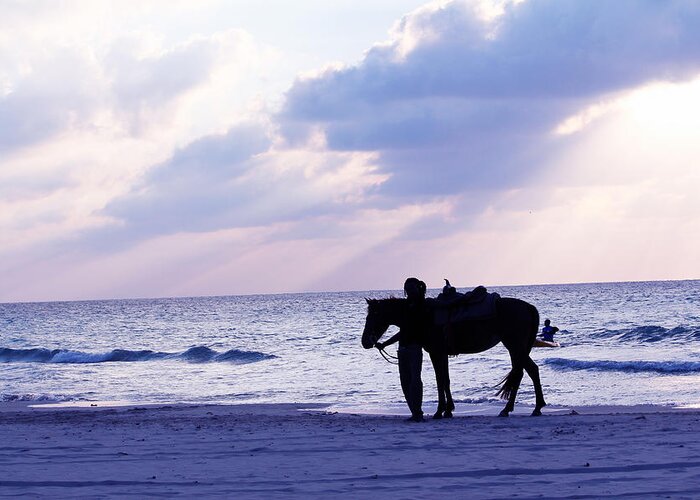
{"type": "Point", "coordinates": [392, 340]}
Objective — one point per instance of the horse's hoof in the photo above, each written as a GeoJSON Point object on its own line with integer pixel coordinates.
{"type": "Point", "coordinates": [448, 414]}
{"type": "Point", "coordinates": [438, 415]}
{"type": "Point", "coordinates": [503, 413]}
{"type": "Point", "coordinates": [536, 412]}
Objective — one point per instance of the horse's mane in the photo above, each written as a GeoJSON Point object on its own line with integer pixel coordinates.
{"type": "Point", "coordinates": [386, 304]}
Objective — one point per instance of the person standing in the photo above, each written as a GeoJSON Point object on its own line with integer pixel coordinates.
{"type": "Point", "coordinates": [411, 338]}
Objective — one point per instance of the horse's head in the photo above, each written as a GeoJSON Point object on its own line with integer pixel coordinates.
{"type": "Point", "coordinates": [376, 324]}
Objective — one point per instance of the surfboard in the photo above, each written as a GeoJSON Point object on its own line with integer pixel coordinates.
{"type": "Point", "coordinates": [545, 343]}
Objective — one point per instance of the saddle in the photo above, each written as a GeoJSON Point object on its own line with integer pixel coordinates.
{"type": "Point", "coordinates": [452, 306]}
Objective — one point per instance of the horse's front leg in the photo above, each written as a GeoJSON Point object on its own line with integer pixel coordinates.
{"type": "Point", "coordinates": [534, 374]}
{"type": "Point", "coordinates": [439, 379]}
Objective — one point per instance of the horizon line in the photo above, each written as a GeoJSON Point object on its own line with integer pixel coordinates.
{"type": "Point", "coordinates": [317, 292]}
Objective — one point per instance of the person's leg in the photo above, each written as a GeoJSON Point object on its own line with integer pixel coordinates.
{"type": "Point", "coordinates": [405, 374]}
{"type": "Point", "coordinates": [417, 383]}
{"type": "Point", "coordinates": [410, 366]}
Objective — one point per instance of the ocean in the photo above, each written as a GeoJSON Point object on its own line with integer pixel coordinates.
{"type": "Point", "coordinates": [621, 344]}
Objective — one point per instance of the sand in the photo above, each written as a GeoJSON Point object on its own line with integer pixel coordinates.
{"type": "Point", "coordinates": [312, 451]}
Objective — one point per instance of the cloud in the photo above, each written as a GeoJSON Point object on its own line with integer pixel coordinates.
{"type": "Point", "coordinates": [64, 88]}
{"type": "Point", "coordinates": [460, 101]}
{"type": "Point", "coordinates": [55, 91]}
{"type": "Point", "coordinates": [476, 132]}
{"type": "Point", "coordinates": [60, 73]}
{"type": "Point", "coordinates": [462, 105]}
{"type": "Point", "coordinates": [145, 82]}
{"type": "Point", "coordinates": [238, 179]}
{"type": "Point", "coordinates": [86, 112]}
{"type": "Point", "coordinates": [197, 187]}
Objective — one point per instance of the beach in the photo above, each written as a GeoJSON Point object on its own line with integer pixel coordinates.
{"type": "Point", "coordinates": [317, 451]}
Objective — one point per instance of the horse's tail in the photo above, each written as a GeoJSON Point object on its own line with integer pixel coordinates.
{"type": "Point", "coordinates": [507, 385]}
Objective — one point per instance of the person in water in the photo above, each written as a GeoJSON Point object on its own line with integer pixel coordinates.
{"type": "Point", "coordinates": [410, 353]}
{"type": "Point", "coordinates": [548, 331]}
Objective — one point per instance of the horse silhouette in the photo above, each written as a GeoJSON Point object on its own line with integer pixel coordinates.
{"type": "Point", "coordinates": [515, 324]}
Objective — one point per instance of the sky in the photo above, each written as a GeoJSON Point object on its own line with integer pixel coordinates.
{"type": "Point", "coordinates": [185, 148]}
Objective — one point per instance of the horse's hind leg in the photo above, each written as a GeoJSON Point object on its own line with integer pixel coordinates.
{"type": "Point", "coordinates": [510, 389]}
{"type": "Point", "coordinates": [449, 404]}
{"type": "Point", "coordinates": [442, 366]}
{"type": "Point", "coordinates": [534, 373]}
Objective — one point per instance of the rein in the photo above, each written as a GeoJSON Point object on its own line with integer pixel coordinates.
{"type": "Point", "coordinates": [388, 357]}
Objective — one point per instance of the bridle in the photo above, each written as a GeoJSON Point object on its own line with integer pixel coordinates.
{"type": "Point", "coordinates": [389, 358]}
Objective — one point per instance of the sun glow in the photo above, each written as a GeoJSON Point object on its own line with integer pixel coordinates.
{"type": "Point", "coordinates": [664, 106]}
{"type": "Point", "coordinates": [670, 108]}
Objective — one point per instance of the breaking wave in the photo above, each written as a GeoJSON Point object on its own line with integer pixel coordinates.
{"type": "Point", "coordinates": [676, 367]}
{"type": "Point", "coordinates": [652, 333]}
{"type": "Point", "coordinates": [34, 398]}
{"type": "Point", "coordinates": [199, 354]}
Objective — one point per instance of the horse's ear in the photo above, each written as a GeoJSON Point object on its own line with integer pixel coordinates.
{"type": "Point", "coordinates": [367, 300]}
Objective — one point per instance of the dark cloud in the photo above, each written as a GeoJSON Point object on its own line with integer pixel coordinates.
{"type": "Point", "coordinates": [198, 189]}
{"type": "Point", "coordinates": [473, 104]}
{"type": "Point", "coordinates": [235, 180]}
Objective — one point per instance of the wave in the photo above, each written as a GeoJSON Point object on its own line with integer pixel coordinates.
{"type": "Point", "coordinates": [477, 401]}
{"type": "Point", "coordinates": [32, 398]}
{"type": "Point", "coordinates": [675, 367]}
{"type": "Point", "coordinates": [652, 333]}
{"type": "Point", "coordinates": [199, 354]}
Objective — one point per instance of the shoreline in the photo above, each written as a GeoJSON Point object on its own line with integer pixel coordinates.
{"type": "Point", "coordinates": [312, 450]}
{"type": "Point", "coordinates": [386, 410]}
